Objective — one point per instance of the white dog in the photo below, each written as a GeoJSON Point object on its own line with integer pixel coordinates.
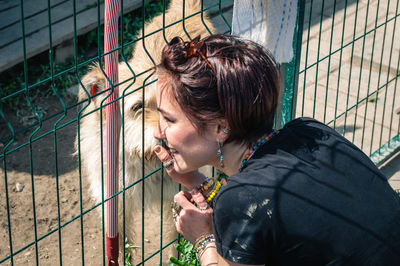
{"type": "Point", "coordinates": [132, 148]}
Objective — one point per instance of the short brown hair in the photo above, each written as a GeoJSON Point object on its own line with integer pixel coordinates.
{"type": "Point", "coordinates": [241, 85]}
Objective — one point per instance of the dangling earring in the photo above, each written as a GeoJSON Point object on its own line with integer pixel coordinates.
{"type": "Point", "coordinates": [225, 130]}
{"type": "Point", "coordinates": [221, 156]}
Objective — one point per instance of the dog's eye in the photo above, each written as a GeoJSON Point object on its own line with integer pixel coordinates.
{"type": "Point", "coordinates": [137, 106]}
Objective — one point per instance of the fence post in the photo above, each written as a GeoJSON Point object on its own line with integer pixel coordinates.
{"type": "Point", "coordinates": [290, 71]}
{"type": "Point", "coordinates": [113, 125]}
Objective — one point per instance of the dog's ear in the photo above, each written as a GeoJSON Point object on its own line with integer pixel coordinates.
{"type": "Point", "coordinates": [92, 84]}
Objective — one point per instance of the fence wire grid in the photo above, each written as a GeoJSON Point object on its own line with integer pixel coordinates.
{"type": "Point", "coordinates": [349, 71]}
{"type": "Point", "coordinates": [345, 73]}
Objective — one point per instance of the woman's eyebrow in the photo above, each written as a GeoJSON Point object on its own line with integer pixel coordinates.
{"type": "Point", "coordinates": [162, 111]}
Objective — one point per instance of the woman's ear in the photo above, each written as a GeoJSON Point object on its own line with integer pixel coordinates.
{"type": "Point", "coordinates": [223, 130]}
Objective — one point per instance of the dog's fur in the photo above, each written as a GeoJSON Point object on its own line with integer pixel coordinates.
{"type": "Point", "coordinates": [133, 89]}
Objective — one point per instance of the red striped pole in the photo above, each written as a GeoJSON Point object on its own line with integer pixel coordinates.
{"type": "Point", "coordinates": [111, 15]}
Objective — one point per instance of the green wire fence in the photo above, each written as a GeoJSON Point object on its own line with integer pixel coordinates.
{"type": "Point", "coordinates": [348, 71]}
{"type": "Point", "coordinates": [345, 73]}
{"type": "Point", "coordinates": [36, 145]}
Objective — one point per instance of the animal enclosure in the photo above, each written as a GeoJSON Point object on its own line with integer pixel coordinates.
{"type": "Point", "coordinates": [348, 71]}
{"type": "Point", "coordinates": [345, 73]}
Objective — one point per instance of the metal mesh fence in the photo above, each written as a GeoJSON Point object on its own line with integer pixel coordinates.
{"type": "Point", "coordinates": [349, 71]}
{"type": "Point", "coordinates": [47, 213]}
{"type": "Point", "coordinates": [346, 76]}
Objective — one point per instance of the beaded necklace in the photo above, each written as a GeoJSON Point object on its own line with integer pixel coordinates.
{"type": "Point", "coordinates": [210, 181]}
{"type": "Point", "coordinates": [255, 147]}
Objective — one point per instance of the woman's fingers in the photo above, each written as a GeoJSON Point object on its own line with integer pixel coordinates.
{"type": "Point", "coordinates": [190, 221]}
{"type": "Point", "coordinates": [183, 198]}
{"type": "Point", "coordinates": [164, 157]}
{"type": "Point", "coordinates": [199, 199]}
{"type": "Point", "coordinates": [186, 199]}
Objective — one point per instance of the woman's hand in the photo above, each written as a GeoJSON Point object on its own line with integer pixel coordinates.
{"type": "Point", "coordinates": [188, 180]}
{"type": "Point", "coordinates": [192, 222]}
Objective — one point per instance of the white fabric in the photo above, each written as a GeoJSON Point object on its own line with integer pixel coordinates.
{"type": "Point", "coordinates": [270, 23]}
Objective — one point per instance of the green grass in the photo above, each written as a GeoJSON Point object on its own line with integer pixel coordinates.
{"type": "Point", "coordinates": [187, 254]}
{"type": "Point", "coordinates": [127, 255]}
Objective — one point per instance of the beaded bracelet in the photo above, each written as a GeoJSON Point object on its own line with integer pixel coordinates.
{"type": "Point", "coordinates": [201, 243]}
{"type": "Point", "coordinates": [210, 189]}
{"type": "Point", "coordinates": [201, 238]}
{"type": "Point", "coordinates": [215, 192]}
{"type": "Point", "coordinates": [206, 184]}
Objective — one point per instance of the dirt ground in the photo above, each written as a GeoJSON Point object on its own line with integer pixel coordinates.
{"type": "Point", "coordinates": [47, 187]}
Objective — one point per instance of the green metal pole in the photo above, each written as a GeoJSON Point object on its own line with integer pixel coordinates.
{"type": "Point", "coordinates": [291, 70]}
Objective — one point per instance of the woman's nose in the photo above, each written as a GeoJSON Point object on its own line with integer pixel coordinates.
{"type": "Point", "coordinates": [158, 133]}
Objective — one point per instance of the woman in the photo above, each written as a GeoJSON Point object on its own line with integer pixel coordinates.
{"type": "Point", "coordinates": [302, 195]}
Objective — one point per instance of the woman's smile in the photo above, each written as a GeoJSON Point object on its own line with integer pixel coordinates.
{"type": "Point", "coordinates": [189, 149]}
{"type": "Point", "coordinates": [173, 152]}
